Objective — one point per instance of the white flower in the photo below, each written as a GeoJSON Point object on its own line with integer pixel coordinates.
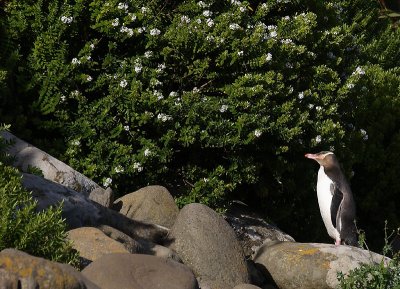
{"type": "Point", "coordinates": [287, 41]}
{"type": "Point", "coordinates": [66, 19]}
{"type": "Point", "coordinates": [138, 166]}
{"type": "Point", "coordinates": [350, 85]}
{"type": "Point", "coordinates": [240, 53]}
{"type": "Point", "coordinates": [310, 106]}
{"type": "Point", "coordinates": [359, 71]}
{"type": "Point", "coordinates": [173, 94]}
{"type": "Point", "coordinates": [196, 90]}
{"type": "Point", "coordinates": [318, 139]}
{"type": "Point", "coordinates": [210, 22]}
{"type": "Point", "coordinates": [364, 134]}
{"type": "Point", "coordinates": [123, 6]}
{"type": "Point", "coordinates": [158, 94]}
{"type": "Point", "coordinates": [155, 32]}
{"type": "Point", "coordinates": [161, 67]}
{"type": "Point", "coordinates": [63, 98]}
{"type": "Point", "coordinates": [75, 61]}
{"type": "Point", "coordinates": [202, 4]}
{"type": "Point", "coordinates": [235, 2]}
{"type": "Point", "coordinates": [89, 78]}
{"type": "Point", "coordinates": [207, 13]}
{"type": "Point", "coordinates": [141, 29]}
{"type": "Point", "coordinates": [286, 18]}
{"type": "Point", "coordinates": [119, 169]}
{"type": "Point", "coordinates": [123, 83]}
{"type": "Point", "coordinates": [242, 9]}
{"type": "Point", "coordinates": [257, 133]}
{"type": "Point", "coordinates": [148, 54]}
{"type": "Point", "coordinates": [126, 127]}
{"type": "Point", "coordinates": [147, 152]}
{"type": "Point", "coordinates": [301, 95]}
{"type": "Point", "coordinates": [163, 117]}
{"type": "Point", "coordinates": [273, 34]}
{"type": "Point", "coordinates": [234, 26]}
{"type": "Point", "coordinates": [185, 19]}
{"type": "Point", "coordinates": [268, 57]}
{"type": "Point", "coordinates": [144, 10]}
{"type": "Point", "coordinates": [271, 27]}
{"type": "Point", "coordinates": [223, 108]}
{"type": "Point", "coordinates": [91, 46]}
{"type": "Point", "coordinates": [205, 180]}
{"type": "Point", "coordinates": [107, 182]}
{"type": "Point", "coordinates": [138, 67]}
{"type": "Point", "coordinates": [198, 21]}
{"type": "Point", "coordinates": [88, 58]}
{"type": "Point", "coordinates": [75, 93]}
{"type": "Point", "coordinates": [115, 22]}
{"type": "Point", "coordinates": [318, 108]}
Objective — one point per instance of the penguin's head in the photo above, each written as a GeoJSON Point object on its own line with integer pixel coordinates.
{"type": "Point", "coordinates": [324, 158]}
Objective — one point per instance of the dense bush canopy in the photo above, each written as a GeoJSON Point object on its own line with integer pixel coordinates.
{"type": "Point", "coordinates": [215, 99]}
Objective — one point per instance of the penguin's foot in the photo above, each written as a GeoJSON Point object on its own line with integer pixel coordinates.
{"type": "Point", "coordinates": [338, 242]}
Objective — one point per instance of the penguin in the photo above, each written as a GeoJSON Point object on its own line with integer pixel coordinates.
{"type": "Point", "coordinates": [335, 199]}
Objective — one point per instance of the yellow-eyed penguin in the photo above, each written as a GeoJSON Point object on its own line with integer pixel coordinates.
{"type": "Point", "coordinates": [335, 199]}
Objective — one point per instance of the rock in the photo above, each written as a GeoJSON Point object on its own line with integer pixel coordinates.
{"type": "Point", "coordinates": [79, 211]}
{"type": "Point", "coordinates": [133, 271]}
{"type": "Point", "coordinates": [92, 243]}
{"type": "Point", "coordinates": [152, 204]}
{"type": "Point", "coordinates": [246, 286]}
{"type": "Point", "coordinates": [102, 197]}
{"type": "Point", "coordinates": [29, 156]}
{"type": "Point", "coordinates": [140, 246]}
{"type": "Point", "coordinates": [20, 270]}
{"type": "Point", "coordinates": [310, 265]}
{"type": "Point", "coordinates": [208, 245]}
{"type": "Point", "coordinates": [252, 230]}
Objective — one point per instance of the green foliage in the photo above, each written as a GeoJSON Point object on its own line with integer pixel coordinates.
{"type": "Point", "coordinates": [216, 99]}
{"type": "Point", "coordinates": [383, 275]}
{"type": "Point", "coordinates": [42, 233]}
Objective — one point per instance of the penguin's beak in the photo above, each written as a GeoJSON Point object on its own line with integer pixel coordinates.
{"type": "Point", "coordinates": [312, 156]}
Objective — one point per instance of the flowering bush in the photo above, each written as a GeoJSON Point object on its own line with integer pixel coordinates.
{"type": "Point", "coordinates": [213, 99]}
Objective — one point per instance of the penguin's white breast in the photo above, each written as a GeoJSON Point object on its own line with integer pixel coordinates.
{"type": "Point", "coordinates": [324, 200]}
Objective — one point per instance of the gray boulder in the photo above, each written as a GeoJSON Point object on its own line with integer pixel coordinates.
{"type": "Point", "coordinates": [310, 265]}
{"type": "Point", "coordinates": [79, 211]}
{"type": "Point", "coordinates": [133, 271]}
{"type": "Point", "coordinates": [152, 204]}
{"type": "Point", "coordinates": [92, 243]}
{"type": "Point", "coordinates": [208, 245]}
{"type": "Point", "coordinates": [20, 270]}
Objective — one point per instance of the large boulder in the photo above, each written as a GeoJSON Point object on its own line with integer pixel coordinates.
{"type": "Point", "coordinates": [133, 271]}
{"type": "Point", "coordinates": [310, 265]}
{"type": "Point", "coordinates": [20, 270]}
{"type": "Point", "coordinates": [208, 245]}
{"type": "Point", "coordinates": [92, 243]}
{"type": "Point", "coordinates": [79, 211]}
{"type": "Point", "coordinates": [152, 204]}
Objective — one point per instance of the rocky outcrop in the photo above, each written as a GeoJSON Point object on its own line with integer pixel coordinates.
{"type": "Point", "coordinates": [20, 270]}
{"type": "Point", "coordinates": [208, 245]}
{"type": "Point", "coordinates": [139, 272]}
{"type": "Point", "coordinates": [309, 265]}
{"type": "Point", "coordinates": [246, 286]}
{"type": "Point", "coordinates": [152, 204]}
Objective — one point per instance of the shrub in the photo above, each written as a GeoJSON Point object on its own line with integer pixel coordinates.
{"type": "Point", "coordinates": [42, 233]}
{"type": "Point", "coordinates": [213, 99]}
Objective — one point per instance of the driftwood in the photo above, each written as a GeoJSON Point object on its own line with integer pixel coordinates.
{"type": "Point", "coordinates": [27, 155]}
